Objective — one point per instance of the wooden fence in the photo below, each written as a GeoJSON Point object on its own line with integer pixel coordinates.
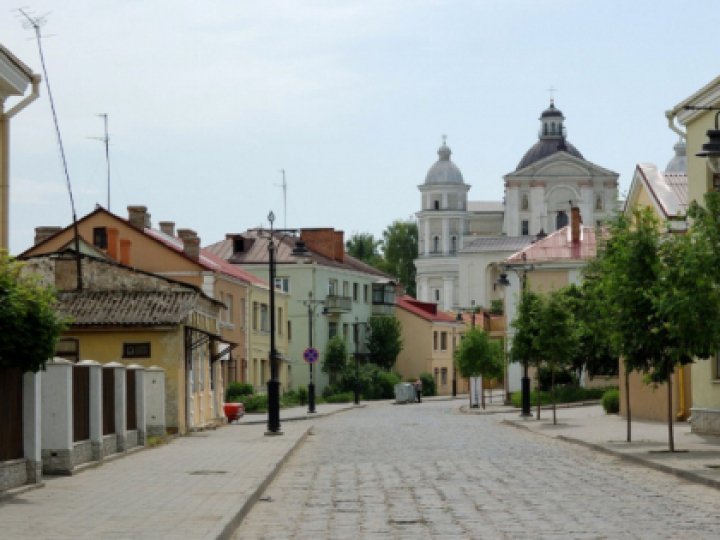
{"type": "Point", "coordinates": [81, 403]}
{"type": "Point", "coordinates": [11, 414]}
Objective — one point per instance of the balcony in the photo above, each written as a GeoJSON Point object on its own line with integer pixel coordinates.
{"type": "Point", "coordinates": [337, 304]}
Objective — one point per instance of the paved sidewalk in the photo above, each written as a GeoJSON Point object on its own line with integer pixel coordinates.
{"type": "Point", "coordinates": [697, 458]}
{"type": "Point", "coordinates": [298, 413]}
{"type": "Point", "coordinates": [196, 486]}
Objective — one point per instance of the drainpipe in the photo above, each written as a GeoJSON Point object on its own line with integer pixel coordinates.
{"type": "Point", "coordinates": [670, 115]}
{"type": "Point", "coordinates": [5, 158]}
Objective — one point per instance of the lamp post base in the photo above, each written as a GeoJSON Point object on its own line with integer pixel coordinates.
{"type": "Point", "coordinates": [311, 398]}
{"type": "Point", "coordinates": [273, 425]}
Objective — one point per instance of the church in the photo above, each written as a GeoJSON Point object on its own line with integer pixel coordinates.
{"type": "Point", "coordinates": [461, 243]}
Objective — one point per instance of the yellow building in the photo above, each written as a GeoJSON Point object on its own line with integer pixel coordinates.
{"type": "Point", "coordinates": [133, 317]}
{"type": "Point", "coordinates": [429, 340]}
{"type": "Point", "coordinates": [695, 123]}
{"type": "Point", "coordinates": [666, 194]}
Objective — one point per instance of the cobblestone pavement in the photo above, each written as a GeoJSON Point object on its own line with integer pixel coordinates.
{"type": "Point", "coordinates": [425, 471]}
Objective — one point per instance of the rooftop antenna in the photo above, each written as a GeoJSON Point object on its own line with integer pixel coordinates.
{"type": "Point", "coordinates": [284, 188]}
{"type": "Point", "coordinates": [35, 24]}
{"type": "Point", "coordinates": [105, 139]}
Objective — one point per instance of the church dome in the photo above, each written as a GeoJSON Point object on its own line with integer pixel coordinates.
{"type": "Point", "coordinates": [552, 138]}
{"type": "Point", "coordinates": [678, 164]}
{"type": "Point", "coordinates": [444, 171]}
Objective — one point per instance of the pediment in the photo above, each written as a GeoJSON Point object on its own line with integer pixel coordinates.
{"type": "Point", "coordinates": [561, 164]}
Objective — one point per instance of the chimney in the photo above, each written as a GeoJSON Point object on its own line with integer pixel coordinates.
{"type": "Point", "coordinates": [168, 227]}
{"type": "Point", "coordinates": [191, 243]}
{"type": "Point", "coordinates": [125, 246]}
{"type": "Point", "coordinates": [575, 221]}
{"type": "Point", "coordinates": [112, 242]}
{"type": "Point", "coordinates": [339, 246]}
{"type": "Point", "coordinates": [138, 217]}
{"type": "Point", "coordinates": [43, 233]}
{"type": "Point", "coordinates": [321, 241]}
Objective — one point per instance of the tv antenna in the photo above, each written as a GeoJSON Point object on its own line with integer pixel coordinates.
{"type": "Point", "coordinates": [284, 188]}
{"type": "Point", "coordinates": [105, 139]}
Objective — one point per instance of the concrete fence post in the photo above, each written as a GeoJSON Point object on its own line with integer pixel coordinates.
{"type": "Point", "coordinates": [32, 425]}
{"type": "Point", "coordinates": [155, 401]}
{"type": "Point", "coordinates": [57, 411]}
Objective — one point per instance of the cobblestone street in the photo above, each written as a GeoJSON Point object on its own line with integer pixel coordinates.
{"type": "Point", "coordinates": [426, 471]}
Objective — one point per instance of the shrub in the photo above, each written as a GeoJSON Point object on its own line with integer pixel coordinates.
{"type": "Point", "coordinates": [562, 377]}
{"type": "Point", "coordinates": [330, 390]}
{"type": "Point", "coordinates": [375, 382]}
{"type": "Point", "coordinates": [344, 397]}
{"type": "Point", "coordinates": [497, 307]}
{"type": "Point", "coordinates": [236, 391]}
{"type": "Point", "coordinates": [563, 394]}
{"type": "Point", "coordinates": [428, 384]}
{"type": "Point", "coordinates": [295, 397]}
{"type": "Point", "coordinates": [255, 403]}
{"type": "Point", "coordinates": [611, 401]}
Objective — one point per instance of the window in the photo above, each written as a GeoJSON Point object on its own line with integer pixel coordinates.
{"type": "Point", "coordinates": [717, 366]}
{"type": "Point", "coordinates": [436, 377]}
{"type": "Point", "coordinates": [524, 227]}
{"type": "Point", "coordinates": [289, 325]}
{"type": "Point", "coordinates": [435, 341]}
{"type": "Point", "coordinates": [443, 341]}
{"type": "Point", "coordinates": [598, 202]}
{"type": "Point", "coordinates": [69, 349]}
{"type": "Point", "coordinates": [716, 182]}
{"type": "Point", "coordinates": [436, 244]}
{"type": "Point", "coordinates": [436, 205]}
{"type": "Point", "coordinates": [282, 284]}
{"type": "Point", "coordinates": [561, 220]}
{"type": "Point", "coordinates": [333, 287]}
{"type": "Point", "coordinates": [524, 202]}
{"type": "Point", "coordinates": [346, 289]}
{"type": "Point", "coordinates": [453, 244]}
{"type": "Point", "coordinates": [437, 295]}
{"type": "Point", "coordinates": [332, 329]}
{"type": "Point", "coordinates": [346, 331]}
{"type": "Point", "coordinates": [280, 324]}
{"type": "Point", "coordinates": [355, 292]}
{"type": "Point", "coordinates": [136, 350]}
{"type": "Point", "coordinates": [100, 237]}
{"type": "Point", "coordinates": [229, 310]}
{"type": "Point", "coordinates": [264, 318]}
{"type": "Point", "coordinates": [256, 316]}
{"type": "Point", "coordinates": [443, 376]}
{"type": "Point", "coordinates": [366, 293]}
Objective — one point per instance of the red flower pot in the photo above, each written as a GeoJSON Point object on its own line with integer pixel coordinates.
{"type": "Point", "coordinates": [233, 411]}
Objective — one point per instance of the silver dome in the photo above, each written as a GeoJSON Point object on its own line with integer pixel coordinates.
{"type": "Point", "coordinates": [444, 171]}
{"type": "Point", "coordinates": [678, 164]}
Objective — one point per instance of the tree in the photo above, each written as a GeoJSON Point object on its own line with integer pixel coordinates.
{"type": "Point", "coordinates": [384, 341]}
{"type": "Point", "coordinates": [479, 356]}
{"type": "Point", "coordinates": [525, 345]}
{"type": "Point", "coordinates": [335, 358]}
{"type": "Point", "coordinates": [364, 247]}
{"type": "Point", "coordinates": [30, 325]}
{"type": "Point", "coordinates": [400, 249]}
{"type": "Point", "coordinates": [556, 338]}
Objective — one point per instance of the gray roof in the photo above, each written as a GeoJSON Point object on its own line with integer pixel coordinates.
{"type": "Point", "coordinates": [497, 243]}
{"type": "Point", "coordinates": [444, 171]}
{"type": "Point", "coordinates": [546, 147]}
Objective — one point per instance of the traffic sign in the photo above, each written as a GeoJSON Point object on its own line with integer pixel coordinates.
{"type": "Point", "coordinates": [311, 355]}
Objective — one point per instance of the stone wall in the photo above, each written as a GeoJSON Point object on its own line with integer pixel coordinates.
{"type": "Point", "coordinates": [13, 473]}
{"type": "Point", "coordinates": [110, 445]}
{"type": "Point", "coordinates": [705, 421]}
{"type": "Point", "coordinates": [82, 453]}
{"type": "Point", "coordinates": [57, 461]}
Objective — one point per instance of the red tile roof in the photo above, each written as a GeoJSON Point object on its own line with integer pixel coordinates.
{"type": "Point", "coordinates": [425, 310]}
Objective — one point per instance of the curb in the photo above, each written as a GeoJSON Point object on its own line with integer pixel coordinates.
{"type": "Point", "coordinates": [230, 527]}
{"type": "Point", "coordinates": [685, 475]}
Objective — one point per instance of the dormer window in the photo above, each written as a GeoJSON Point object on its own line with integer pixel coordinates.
{"type": "Point", "coordinates": [100, 237]}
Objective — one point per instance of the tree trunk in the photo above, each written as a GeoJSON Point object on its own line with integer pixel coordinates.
{"type": "Point", "coordinates": [538, 395]}
{"type": "Point", "coordinates": [627, 402]}
{"type": "Point", "coordinates": [482, 392]}
{"type": "Point", "coordinates": [671, 441]}
{"type": "Point", "coordinates": [552, 394]}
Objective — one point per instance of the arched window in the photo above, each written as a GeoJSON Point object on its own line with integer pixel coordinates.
{"type": "Point", "coordinates": [552, 128]}
{"type": "Point", "coordinates": [436, 244]}
{"type": "Point", "coordinates": [524, 202]}
{"type": "Point", "coordinates": [561, 220]}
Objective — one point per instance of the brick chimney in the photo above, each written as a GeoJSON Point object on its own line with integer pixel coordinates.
{"type": "Point", "coordinates": [45, 232]}
{"type": "Point", "coordinates": [339, 246]}
{"type": "Point", "coordinates": [168, 227]}
{"type": "Point", "coordinates": [321, 241]}
{"type": "Point", "coordinates": [575, 221]}
{"type": "Point", "coordinates": [191, 243]}
{"type": "Point", "coordinates": [138, 217]}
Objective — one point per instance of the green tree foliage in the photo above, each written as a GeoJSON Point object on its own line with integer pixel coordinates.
{"type": "Point", "coordinates": [525, 346]}
{"type": "Point", "coordinates": [556, 338]}
{"type": "Point", "coordinates": [479, 356]}
{"type": "Point", "coordinates": [364, 247]}
{"type": "Point", "coordinates": [384, 341]}
{"type": "Point", "coordinates": [335, 358]}
{"type": "Point", "coordinates": [30, 325]}
{"type": "Point", "coordinates": [400, 249]}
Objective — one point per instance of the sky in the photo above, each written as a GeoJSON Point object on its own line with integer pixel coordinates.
{"type": "Point", "coordinates": [208, 101]}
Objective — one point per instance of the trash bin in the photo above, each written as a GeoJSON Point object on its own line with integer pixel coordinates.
{"type": "Point", "coordinates": [404, 393]}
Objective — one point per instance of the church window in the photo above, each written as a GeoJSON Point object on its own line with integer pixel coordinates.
{"type": "Point", "coordinates": [436, 205]}
{"type": "Point", "coordinates": [524, 202]}
{"type": "Point", "coordinates": [561, 220]}
{"type": "Point", "coordinates": [598, 202]}
{"type": "Point", "coordinates": [453, 244]}
{"type": "Point", "coordinates": [437, 295]}
{"type": "Point", "coordinates": [524, 227]}
{"type": "Point", "coordinates": [436, 244]}
{"type": "Point", "coordinates": [552, 128]}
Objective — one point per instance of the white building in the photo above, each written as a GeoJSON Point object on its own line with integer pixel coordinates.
{"type": "Point", "coordinates": [461, 242]}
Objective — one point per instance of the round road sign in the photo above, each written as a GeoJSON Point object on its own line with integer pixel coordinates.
{"type": "Point", "coordinates": [311, 355]}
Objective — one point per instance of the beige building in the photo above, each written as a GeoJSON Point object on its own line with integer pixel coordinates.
{"type": "Point", "coordinates": [429, 340]}
{"type": "Point", "coordinates": [694, 127]}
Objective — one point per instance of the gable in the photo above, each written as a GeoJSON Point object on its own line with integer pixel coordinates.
{"type": "Point", "coordinates": [561, 164]}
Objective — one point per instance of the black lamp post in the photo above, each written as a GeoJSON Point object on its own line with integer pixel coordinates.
{"type": "Point", "coordinates": [310, 303]}
{"type": "Point", "coordinates": [711, 149]}
{"type": "Point", "coordinates": [525, 380]}
{"type": "Point", "coordinates": [356, 390]}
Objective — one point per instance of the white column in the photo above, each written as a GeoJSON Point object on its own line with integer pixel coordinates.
{"type": "Point", "coordinates": [448, 293]}
{"type": "Point", "coordinates": [587, 204]}
{"type": "Point", "coordinates": [32, 425]}
{"type": "Point", "coordinates": [154, 386]}
{"type": "Point", "coordinates": [427, 236]}
{"type": "Point", "coordinates": [512, 218]}
{"type": "Point", "coordinates": [445, 236]}
{"type": "Point", "coordinates": [57, 410]}
{"type": "Point", "coordinates": [538, 209]}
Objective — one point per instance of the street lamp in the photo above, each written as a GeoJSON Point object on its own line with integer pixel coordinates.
{"type": "Point", "coordinates": [273, 385]}
{"type": "Point", "coordinates": [310, 303]}
{"type": "Point", "coordinates": [521, 272]}
{"type": "Point", "coordinates": [356, 389]}
{"type": "Point", "coordinates": [458, 319]}
{"type": "Point", "coordinates": [711, 149]}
